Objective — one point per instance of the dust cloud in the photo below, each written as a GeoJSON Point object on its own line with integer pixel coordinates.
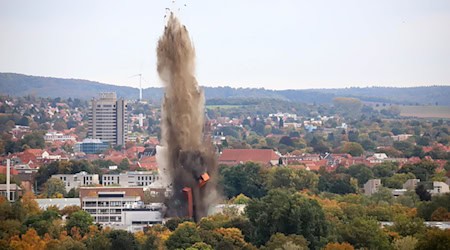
{"type": "Point", "coordinates": [188, 151]}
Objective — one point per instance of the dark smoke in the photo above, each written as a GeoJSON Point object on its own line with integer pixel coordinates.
{"type": "Point", "coordinates": [189, 152]}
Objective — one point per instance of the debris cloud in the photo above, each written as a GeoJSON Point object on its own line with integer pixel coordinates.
{"type": "Point", "coordinates": [188, 149]}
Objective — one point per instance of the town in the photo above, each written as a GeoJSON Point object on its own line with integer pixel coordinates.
{"type": "Point", "coordinates": [94, 162]}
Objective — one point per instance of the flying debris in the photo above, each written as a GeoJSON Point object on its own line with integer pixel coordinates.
{"type": "Point", "coordinates": [190, 158]}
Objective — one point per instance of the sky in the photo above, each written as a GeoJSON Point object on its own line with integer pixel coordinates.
{"type": "Point", "coordinates": [260, 44]}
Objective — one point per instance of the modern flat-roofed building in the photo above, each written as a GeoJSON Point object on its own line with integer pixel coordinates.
{"type": "Point", "coordinates": [120, 208]}
{"type": "Point", "coordinates": [57, 136]}
{"type": "Point", "coordinates": [372, 186]}
{"type": "Point", "coordinates": [60, 203]}
{"type": "Point", "coordinates": [14, 191]}
{"type": "Point", "coordinates": [77, 180]}
{"type": "Point", "coordinates": [91, 146]}
{"type": "Point", "coordinates": [108, 119]}
{"type": "Point", "coordinates": [130, 179]}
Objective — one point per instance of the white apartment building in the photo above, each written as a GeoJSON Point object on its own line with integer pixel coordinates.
{"type": "Point", "coordinates": [117, 210]}
{"type": "Point", "coordinates": [439, 188]}
{"type": "Point", "coordinates": [372, 186]}
{"type": "Point", "coordinates": [108, 119]}
{"type": "Point", "coordinates": [56, 136]}
{"type": "Point", "coordinates": [130, 179]}
{"type": "Point", "coordinates": [77, 180]}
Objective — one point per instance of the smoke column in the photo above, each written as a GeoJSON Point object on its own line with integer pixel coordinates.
{"type": "Point", "coordinates": [188, 151]}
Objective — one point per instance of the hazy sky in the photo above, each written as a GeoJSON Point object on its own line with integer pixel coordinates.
{"type": "Point", "coordinates": [272, 44]}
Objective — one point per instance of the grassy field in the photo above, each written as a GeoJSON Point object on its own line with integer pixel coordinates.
{"type": "Point", "coordinates": [425, 111]}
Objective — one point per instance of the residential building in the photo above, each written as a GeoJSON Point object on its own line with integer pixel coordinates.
{"type": "Point", "coordinates": [108, 119]}
{"type": "Point", "coordinates": [77, 180]}
{"type": "Point", "coordinates": [60, 203]}
{"type": "Point", "coordinates": [377, 158]}
{"type": "Point", "coordinates": [56, 136]}
{"type": "Point", "coordinates": [130, 179]}
{"type": "Point", "coordinates": [401, 137]}
{"type": "Point", "coordinates": [372, 186]}
{"type": "Point", "coordinates": [439, 188]}
{"type": "Point", "coordinates": [91, 146]}
{"type": "Point", "coordinates": [266, 157]}
{"type": "Point", "coordinates": [14, 191]}
{"type": "Point", "coordinates": [120, 208]}
{"type": "Point", "coordinates": [411, 184]}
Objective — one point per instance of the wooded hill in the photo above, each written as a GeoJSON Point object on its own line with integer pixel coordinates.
{"type": "Point", "coordinates": [22, 85]}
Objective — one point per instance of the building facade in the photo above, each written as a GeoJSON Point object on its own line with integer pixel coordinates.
{"type": "Point", "coordinates": [130, 179]}
{"type": "Point", "coordinates": [108, 119]}
{"type": "Point", "coordinates": [56, 136]}
{"type": "Point", "coordinates": [120, 208]}
{"type": "Point", "coordinates": [77, 180]}
{"type": "Point", "coordinates": [91, 146]}
{"type": "Point", "coordinates": [372, 186]}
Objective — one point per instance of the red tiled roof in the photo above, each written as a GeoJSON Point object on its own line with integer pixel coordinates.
{"type": "Point", "coordinates": [3, 170]}
{"type": "Point", "coordinates": [233, 156]}
{"type": "Point", "coordinates": [133, 151]}
{"type": "Point", "coordinates": [35, 152]}
{"type": "Point", "coordinates": [148, 163]}
{"type": "Point", "coordinates": [27, 157]}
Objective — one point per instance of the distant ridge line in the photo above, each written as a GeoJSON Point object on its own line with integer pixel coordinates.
{"type": "Point", "coordinates": [44, 86]}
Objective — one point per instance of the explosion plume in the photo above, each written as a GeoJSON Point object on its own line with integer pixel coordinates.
{"type": "Point", "coordinates": [188, 152]}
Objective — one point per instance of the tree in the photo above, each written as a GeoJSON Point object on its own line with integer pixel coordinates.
{"type": "Point", "coordinates": [285, 177]}
{"type": "Point", "coordinates": [337, 183]}
{"type": "Point", "coordinates": [229, 238]}
{"type": "Point", "coordinates": [440, 214]}
{"type": "Point", "coordinates": [23, 121]}
{"type": "Point", "coordinates": [287, 213]}
{"type": "Point", "coordinates": [405, 243]}
{"type": "Point", "coordinates": [34, 140]}
{"type": "Point", "coordinates": [435, 239]}
{"type": "Point", "coordinates": [80, 219]}
{"type": "Point", "coordinates": [184, 236]}
{"type": "Point", "coordinates": [244, 179]}
{"type": "Point", "coordinates": [69, 210]}
{"type": "Point", "coordinates": [60, 125]}
{"type": "Point", "coordinates": [338, 246]}
{"type": "Point", "coordinates": [382, 195]}
{"type": "Point", "coordinates": [281, 123]}
{"type": "Point", "coordinates": [426, 209]}
{"type": "Point", "coordinates": [348, 106]}
{"type": "Point", "coordinates": [422, 192]}
{"type": "Point", "coordinates": [286, 140]}
{"type": "Point", "coordinates": [279, 239]}
{"type": "Point", "coordinates": [151, 242]}
{"type": "Point", "coordinates": [361, 172]}
{"type": "Point", "coordinates": [385, 169]}
{"type": "Point", "coordinates": [121, 239]}
{"type": "Point", "coordinates": [29, 240]}
{"type": "Point", "coordinates": [397, 180]}
{"type": "Point", "coordinates": [173, 223]}
{"type": "Point", "coordinates": [422, 170]}
{"type": "Point", "coordinates": [124, 164]}
{"type": "Point", "coordinates": [54, 187]}
{"type": "Point", "coordinates": [406, 226]}
{"type": "Point", "coordinates": [352, 148]}
{"type": "Point", "coordinates": [73, 193]}
{"type": "Point", "coordinates": [29, 204]}
{"type": "Point", "coordinates": [43, 223]}
{"type": "Point", "coordinates": [241, 199]}
{"type": "Point", "coordinates": [364, 232]}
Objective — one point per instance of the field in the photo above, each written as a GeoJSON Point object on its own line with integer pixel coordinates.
{"type": "Point", "coordinates": [425, 111]}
